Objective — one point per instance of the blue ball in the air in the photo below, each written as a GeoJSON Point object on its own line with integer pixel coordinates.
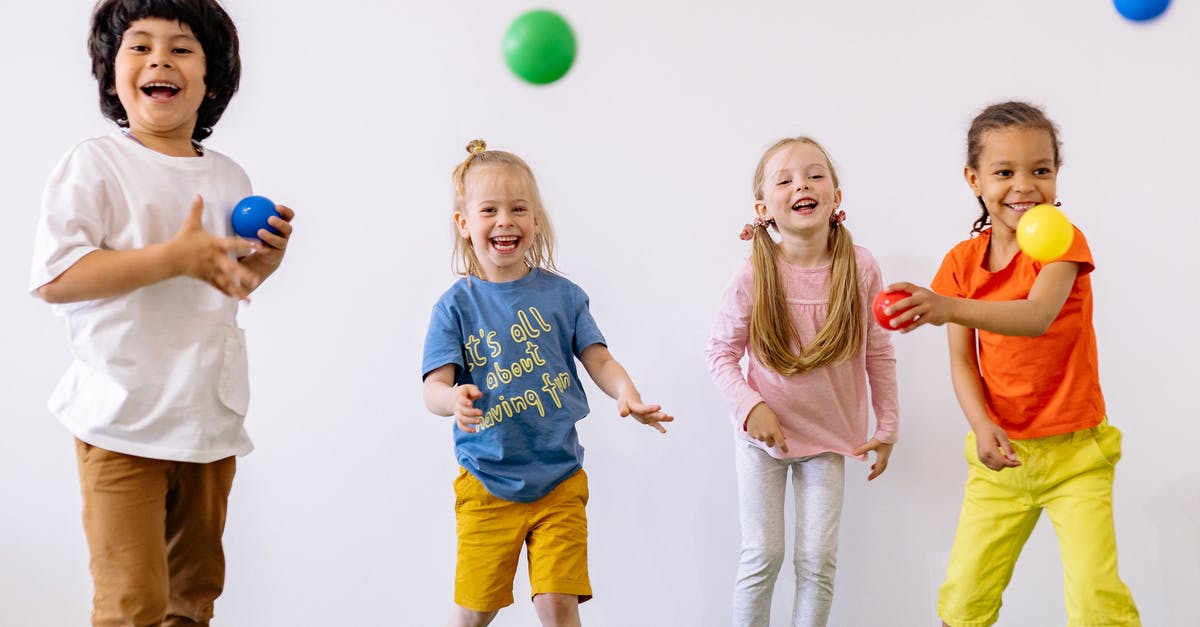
{"type": "Point", "coordinates": [1141, 10]}
{"type": "Point", "coordinates": [250, 215]}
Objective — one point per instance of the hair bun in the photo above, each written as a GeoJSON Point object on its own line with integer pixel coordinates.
{"type": "Point", "coordinates": [476, 146]}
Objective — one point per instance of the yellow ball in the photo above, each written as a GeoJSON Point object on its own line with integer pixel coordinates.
{"type": "Point", "coordinates": [1044, 233]}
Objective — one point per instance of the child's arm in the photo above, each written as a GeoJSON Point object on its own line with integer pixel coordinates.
{"type": "Point", "coordinates": [266, 259]}
{"type": "Point", "coordinates": [192, 251]}
{"type": "Point", "coordinates": [1029, 317]}
{"type": "Point", "coordinates": [444, 398]}
{"type": "Point", "coordinates": [992, 445]}
{"type": "Point", "coordinates": [611, 377]}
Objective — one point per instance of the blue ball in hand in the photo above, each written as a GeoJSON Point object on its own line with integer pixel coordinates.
{"type": "Point", "coordinates": [251, 214]}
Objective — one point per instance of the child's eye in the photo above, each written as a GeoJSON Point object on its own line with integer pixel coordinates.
{"type": "Point", "coordinates": [139, 48]}
{"type": "Point", "coordinates": [817, 177]}
{"type": "Point", "coordinates": [1003, 173]}
{"type": "Point", "coordinates": [784, 182]}
{"type": "Point", "coordinates": [1042, 171]}
{"type": "Point", "coordinates": [182, 51]}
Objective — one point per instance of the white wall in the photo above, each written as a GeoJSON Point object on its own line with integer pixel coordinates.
{"type": "Point", "coordinates": [645, 150]}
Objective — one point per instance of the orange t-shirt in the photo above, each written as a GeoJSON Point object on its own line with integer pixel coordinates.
{"type": "Point", "coordinates": [1033, 386]}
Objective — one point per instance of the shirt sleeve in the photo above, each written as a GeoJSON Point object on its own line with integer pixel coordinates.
{"type": "Point", "coordinates": [947, 281]}
{"type": "Point", "coordinates": [72, 222]}
{"type": "Point", "coordinates": [587, 332]}
{"type": "Point", "coordinates": [1079, 252]}
{"type": "Point", "coordinates": [727, 345]}
{"type": "Point", "coordinates": [443, 343]}
{"type": "Point", "coordinates": [880, 361]}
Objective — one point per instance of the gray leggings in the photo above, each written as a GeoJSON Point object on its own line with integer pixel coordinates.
{"type": "Point", "coordinates": [818, 483]}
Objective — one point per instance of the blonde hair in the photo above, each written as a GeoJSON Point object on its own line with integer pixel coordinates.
{"type": "Point", "coordinates": [773, 340]}
{"type": "Point", "coordinates": [541, 253]}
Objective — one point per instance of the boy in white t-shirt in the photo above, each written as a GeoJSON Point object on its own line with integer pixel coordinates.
{"type": "Point", "coordinates": [157, 393]}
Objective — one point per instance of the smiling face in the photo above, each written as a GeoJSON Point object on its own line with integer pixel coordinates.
{"type": "Point", "coordinates": [1016, 171]}
{"type": "Point", "coordinates": [798, 191]}
{"type": "Point", "coordinates": [499, 218]}
{"type": "Point", "coordinates": [159, 78]}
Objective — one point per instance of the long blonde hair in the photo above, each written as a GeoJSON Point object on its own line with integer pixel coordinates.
{"type": "Point", "coordinates": [541, 253]}
{"type": "Point", "coordinates": [773, 340]}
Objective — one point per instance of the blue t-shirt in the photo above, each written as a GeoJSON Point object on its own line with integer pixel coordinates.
{"type": "Point", "coordinates": [517, 342]}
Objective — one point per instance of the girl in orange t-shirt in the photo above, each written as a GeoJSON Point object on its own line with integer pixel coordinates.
{"type": "Point", "coordinates": [1024, 367]}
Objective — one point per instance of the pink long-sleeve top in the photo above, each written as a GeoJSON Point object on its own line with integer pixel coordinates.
{"type": "Point", "coordinates": [823, 410]}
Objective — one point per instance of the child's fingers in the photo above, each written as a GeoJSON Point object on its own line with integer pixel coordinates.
{"type": "Point", "coordinates": [902, 286]}
{"type": "Point", "coordinates": [643, 408]}
{"type": "Point", "coordinates": [196, 212]}
{"type": "Point", "coordinates": [783, 443]}
{"type": "Point", "coordinates": [287, 214]}
{"type": "Point", "coordinates": [237, 246]}
{"type": "Point", "coordinates": [877, 468]}
{"type": "Point", "coordinates": [869, 446]}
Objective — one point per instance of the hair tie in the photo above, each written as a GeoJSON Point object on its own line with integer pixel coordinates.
{"type": "Point", "coordinates": [837, 218]}
{"type": "Point", "coordinates": [759, 222]}
{"type": "Point", "coordinates": [476, 146]}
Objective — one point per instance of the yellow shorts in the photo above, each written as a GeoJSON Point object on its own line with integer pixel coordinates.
{"type": "Point", "coordinates": [491, 532]}
{"type": "Point", "coordinates": [1071, 477]}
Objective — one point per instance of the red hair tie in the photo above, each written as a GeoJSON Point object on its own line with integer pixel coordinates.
{"type": "Point", "coordinates": [758, 223]}
{"type": "Point", "coordinates": [837, 218]}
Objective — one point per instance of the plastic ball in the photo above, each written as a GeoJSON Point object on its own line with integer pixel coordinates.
{"type": "Point", "coordinates": [1044, 233]}
{"type": "Point", "coordinates": [251, 214]}
{"type": "Point", "coordinates": [1141, 10]}
{"type": "Point", "coordinates": [539, 46]}
{"type": "Point", "coordinates": [884, 300]}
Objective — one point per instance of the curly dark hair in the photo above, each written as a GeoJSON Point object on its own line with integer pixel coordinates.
{"type": "Point", "coordinates": [1012, 114]}
{"type": "Point", "coordinates": [210, 24]}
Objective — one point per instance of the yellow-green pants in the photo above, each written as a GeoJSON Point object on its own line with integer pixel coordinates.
{"type": "Point", "coordinates": [1070, 476]}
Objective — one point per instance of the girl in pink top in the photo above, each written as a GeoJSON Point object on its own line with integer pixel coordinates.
{"type": "Point", "coordinates": [799, 308]}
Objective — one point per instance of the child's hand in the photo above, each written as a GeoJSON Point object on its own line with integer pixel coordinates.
{"type": "Point", "coordinates": [197, 253]}
{"type": "Point", "coordinates": [465, 412]}
{"type": "Point", "coordinates": [267, 257]}
{"type": "Point", "coordinates": [651, 415]}
{"type": "Point", "coordinates": [763, 425]}
{"type": "Point", "coordinates": [883, 451]}
{"type": "Point", "coordinates": [923, 307]}
{"type": "Point", "coordinates": [994, 449]}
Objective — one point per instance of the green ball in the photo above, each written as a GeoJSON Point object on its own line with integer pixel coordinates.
{"type": "Point", "coordinates": [539, 46]}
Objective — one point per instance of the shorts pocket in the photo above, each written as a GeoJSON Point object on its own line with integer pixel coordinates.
{"type": "Point", "coordinates": [1107, 440]}
{"type": "Point", "coordinates": [233, 386]}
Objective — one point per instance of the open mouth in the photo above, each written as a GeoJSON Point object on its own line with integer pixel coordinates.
{"type": "Point", "coordinates": [505, 243]}
{"type": "Point", "coordinates": [1021, 207]}
{"type": "Point", "coordinates": [160, 92]}
{"type": "Point", "coordinates": [804, 205]}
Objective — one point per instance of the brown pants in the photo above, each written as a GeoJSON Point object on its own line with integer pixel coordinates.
{"type": "Point", "coordinates": [154, 534]}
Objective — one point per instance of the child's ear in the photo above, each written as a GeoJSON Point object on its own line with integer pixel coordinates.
{"type": "Point", "coordinates": [460, 221]}
{"type": "Point", "coordinates": [760, 209]}
{"type": "Point", "coordinates": [972, 177]}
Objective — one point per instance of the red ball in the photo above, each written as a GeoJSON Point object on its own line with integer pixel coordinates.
{"type": "Point", "coordinates": [885, 299]}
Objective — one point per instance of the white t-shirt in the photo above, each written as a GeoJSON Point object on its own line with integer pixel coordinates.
{"type": "Point", "coordinates": [161, 371]}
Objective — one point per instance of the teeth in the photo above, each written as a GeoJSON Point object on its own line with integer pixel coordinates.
{"type": "Point", "coordinates": [157, 84]}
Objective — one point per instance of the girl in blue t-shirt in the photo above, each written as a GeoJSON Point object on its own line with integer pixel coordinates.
{"type": "Point", "coordinates": [500, 357]}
